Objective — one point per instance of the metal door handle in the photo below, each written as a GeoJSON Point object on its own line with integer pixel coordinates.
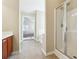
{"type": "Point", "coordinates": [61, 25]}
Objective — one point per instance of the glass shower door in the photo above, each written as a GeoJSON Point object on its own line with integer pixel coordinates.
{"type": "Point", "coordinates": [66, 30]}
{"type": "Point", "coordinates": [72, 33]}
{"type": "Point", "coordinates": [61, 43]}
{"type": "Point", "coordinates": [59, 28]}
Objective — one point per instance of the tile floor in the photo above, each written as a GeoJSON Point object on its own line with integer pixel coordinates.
{"type": "Point", "coordinates": [31, 50]}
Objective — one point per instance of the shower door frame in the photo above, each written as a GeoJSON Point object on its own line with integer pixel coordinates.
{"type": "Point", "coordinates": [55, 27]}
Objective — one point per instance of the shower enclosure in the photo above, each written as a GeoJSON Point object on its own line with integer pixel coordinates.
{"type": "Point", "coordinates": [66, 27]}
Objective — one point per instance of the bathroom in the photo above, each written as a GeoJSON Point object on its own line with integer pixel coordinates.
{"type": "Point", "coordinates": [52, 25]}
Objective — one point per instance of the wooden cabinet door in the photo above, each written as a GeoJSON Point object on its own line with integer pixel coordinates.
{"type": "Point", "coordinates": [4, 49]}
{"type": "Point", "coordinates": [9, 46]}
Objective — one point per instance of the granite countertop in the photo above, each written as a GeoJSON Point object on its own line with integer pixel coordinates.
{"type": "Point", "coordinates": [6, 34]}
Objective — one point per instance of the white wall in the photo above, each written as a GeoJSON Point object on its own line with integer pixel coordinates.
{"type": "Point", "coordinates": [41, 29]}
{"type": "Point", "coordinates": [40, 21]}
{"type": "Point", "coordinates": [10, 20]}
{"type": "Point", "coordinates": [32, 5]}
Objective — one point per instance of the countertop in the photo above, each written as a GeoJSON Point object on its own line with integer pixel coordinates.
{"type": "Point", "coordinates": [6, 34]}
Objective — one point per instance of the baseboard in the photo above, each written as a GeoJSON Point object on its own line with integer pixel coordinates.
{"type": "Point", "coordinates": [43, 51]}
{"type": "Point", "coordinates": [60, 55]}
{"type": "Point", "coordinates": [56, 52]}
{"type": "Point", "coordinates": [47, 54]}
{"type": "Point", "coordinates": [50, 53]}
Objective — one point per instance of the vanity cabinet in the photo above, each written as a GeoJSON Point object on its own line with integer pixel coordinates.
{"type": "Point", "coordinates": [4, 49]}
{"type": "Point", "coordinates": [7, 47]}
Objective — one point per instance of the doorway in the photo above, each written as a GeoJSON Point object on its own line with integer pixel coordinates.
{"type": "Point", "coordinates": [28, 27]}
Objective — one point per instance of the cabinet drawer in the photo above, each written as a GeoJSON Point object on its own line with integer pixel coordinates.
{"type": "Point", "coordinates": [7, 47]}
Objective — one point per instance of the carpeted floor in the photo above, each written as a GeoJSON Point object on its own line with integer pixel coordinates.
{"type": "Point", "coordinates": [31, 50]}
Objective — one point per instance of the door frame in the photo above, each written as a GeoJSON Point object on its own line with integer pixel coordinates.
{"type": "Point", "coordinates": [62, 54]}
{"type": "Point", "coordinates": [20, 29]}
{"type": "Point", "coordinates": [55, 25]}
{"type": "Point", "coordinates": [22, 23]}
{"type": "Point", "coordinates": [20, 36]}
